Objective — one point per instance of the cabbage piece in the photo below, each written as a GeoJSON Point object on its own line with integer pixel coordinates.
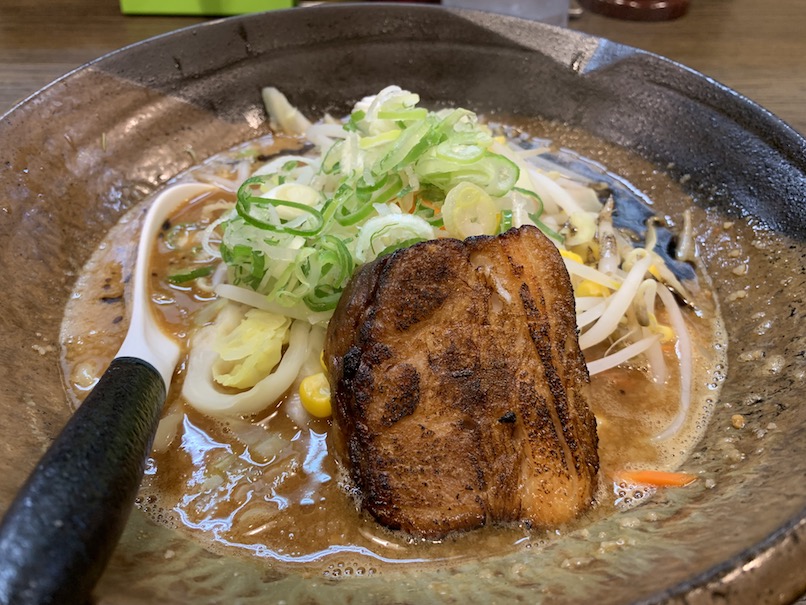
{"type": "Point", "coordinates": [383, 234]}
{"type": "Point", "coordinates": [282, 114]}
{"type": "Point", "coordinates": [200, 389]}
{"type": "Point", "coordinates": [251, 351]}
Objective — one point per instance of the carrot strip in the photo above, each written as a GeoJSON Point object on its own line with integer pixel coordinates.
{"type": "Point", "coordinates": [657, 478]}
{"type": "Point", "coordinates": [430, 205]}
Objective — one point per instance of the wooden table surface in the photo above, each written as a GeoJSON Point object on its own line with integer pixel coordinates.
{"type": "Point", "coordinates": [756, 47]}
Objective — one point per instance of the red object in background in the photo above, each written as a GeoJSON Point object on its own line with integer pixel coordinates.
{"type": "Point", "coordinates": [637, 10]}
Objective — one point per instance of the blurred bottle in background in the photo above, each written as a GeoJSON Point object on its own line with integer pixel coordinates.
{"type": "Point", "coordinates": [638, 10]}
{"type": "Point", "coordinates": [554, 12]}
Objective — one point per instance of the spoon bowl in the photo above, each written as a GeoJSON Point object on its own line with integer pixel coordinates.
{"type": "Point", "coordinates": [144, 339]}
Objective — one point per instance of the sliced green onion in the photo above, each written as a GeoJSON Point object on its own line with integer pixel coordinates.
{"type": "Point", "coordinates": [359, 204]}
{"type": "Point", "coordinates": [381, 232]}
{"type": "Point", "coordinates": [379, 139]}
{"type": "Point", "coordinates": [386, 190]}
{"type": "Point", "coordinates": [449, 122]}
{"type": "Point", "coordinates": [336, 261]}
{"type": "Point", "coordinates": [506, 221]}
{"type": "Point", "coordinates": [419, 113]}
{"type": "Point", "coordinates": [330, 163]}
{"type": "Point", "coordinates": [494, 173]}
{"type": "Point", "coordinates": [412, 143]}
{"type": "Point", "coordinates": [183, 278]}
{"type": "Point", "coordinates": [323, 298]}
{"type": "Point", "coordinates": [257, 211]}
{"type": "Point", "coordinates": [355, 118]}
{"type": "Point", "coordinates": [546, 229]}
{"type": "Point", "coordinates": [469, 210]}
{"type": "Point", "coordinates": [539, 211]}
{"type": "Point", "coordinates": [505, 174]}
{"type": "Point", "coordinates": [463, 153]}
{"type": "Point", "coordinates": [352, 207]}
{"type": "Point", "coordinates": [247, 264]}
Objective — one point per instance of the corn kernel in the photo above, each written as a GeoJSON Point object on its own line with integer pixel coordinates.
{"type": "Point", "coordinates": [666, 333]}
{"type": "Point", "coordinates": [588, 287]}
{"type": "Point", "coordinates": [571, 256]}
{"type": "Point", "coordinates": [314, 392]}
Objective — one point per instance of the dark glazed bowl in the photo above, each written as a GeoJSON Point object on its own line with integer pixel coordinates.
{"type": "Point", "coordinates": [90, 146]}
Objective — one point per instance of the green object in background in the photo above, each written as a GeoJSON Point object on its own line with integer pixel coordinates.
{"type": "Point", "coordinates": [200, 7]}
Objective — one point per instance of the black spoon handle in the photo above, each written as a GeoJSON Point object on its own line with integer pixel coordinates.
{"type": "Point", "coordinates": [62, 527]}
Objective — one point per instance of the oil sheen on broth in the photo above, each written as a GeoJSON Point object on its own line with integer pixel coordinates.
{"type": "Point", "coordinates": [270, 487]}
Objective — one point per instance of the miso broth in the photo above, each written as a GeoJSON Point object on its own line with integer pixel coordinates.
{"type": "Point", "coordinates": [269, 486]}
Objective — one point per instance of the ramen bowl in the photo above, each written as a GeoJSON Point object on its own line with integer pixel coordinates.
{"type": "Point", "coordinates": [89, 147]}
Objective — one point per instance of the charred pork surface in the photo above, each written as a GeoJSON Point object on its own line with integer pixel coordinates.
{"type": "Point", "coordinates": [459, 389]}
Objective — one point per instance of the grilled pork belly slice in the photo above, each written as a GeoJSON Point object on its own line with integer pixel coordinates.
{"type": "Point", "coordinates": [459, 389]}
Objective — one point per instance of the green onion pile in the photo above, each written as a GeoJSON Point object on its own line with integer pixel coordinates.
{"type": "Point", "coordinates": [391, 175]}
